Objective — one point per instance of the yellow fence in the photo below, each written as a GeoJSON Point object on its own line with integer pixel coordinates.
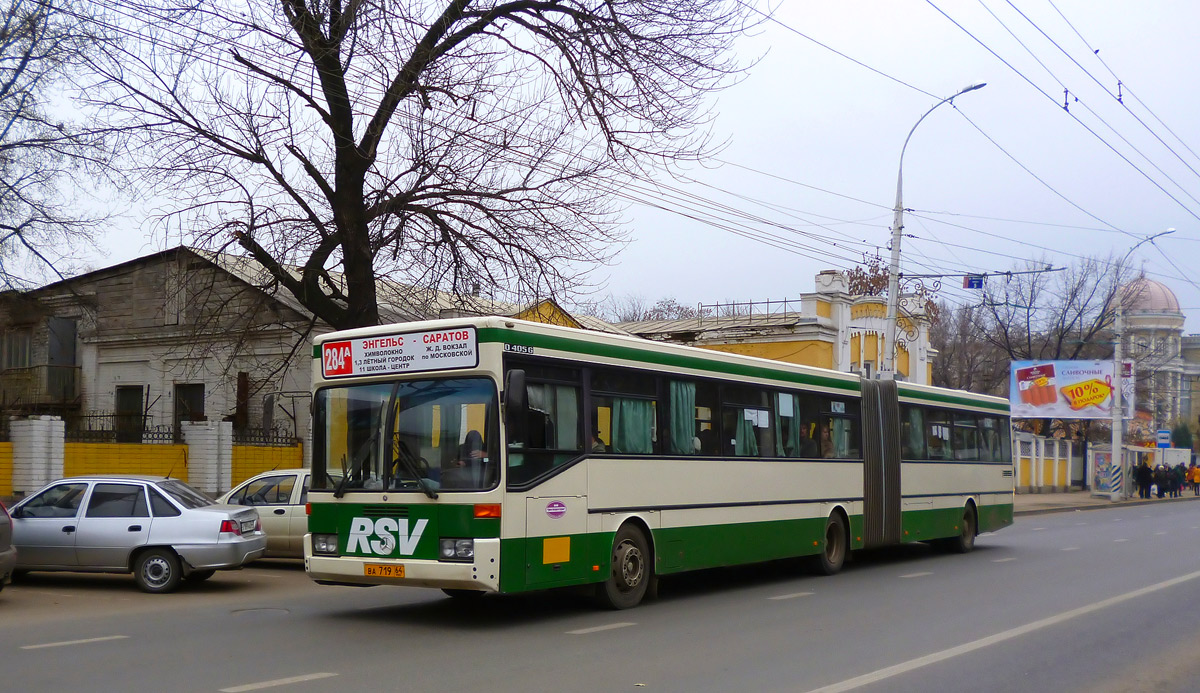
{"type": "Point", "coordinates": [6, 469]}
{"type": "Point", "coordinates": [125, 458]}
{"type": "Point", "coordinates": [249, 460]}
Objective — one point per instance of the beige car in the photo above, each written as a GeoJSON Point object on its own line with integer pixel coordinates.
{"type": "Point", "coordinates": [280, 496]}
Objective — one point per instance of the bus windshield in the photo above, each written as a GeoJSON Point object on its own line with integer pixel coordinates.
{"type": "Point", "coordinates": [415, 435]}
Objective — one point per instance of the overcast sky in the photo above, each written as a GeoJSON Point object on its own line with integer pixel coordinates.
{"type": "Point", "coordinates": [835, 129]}
{"type": "Point", "coordinates": [814, 142]}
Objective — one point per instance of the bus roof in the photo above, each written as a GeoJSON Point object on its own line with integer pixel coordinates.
{"type": "Point", "coordinates": [636, 349]}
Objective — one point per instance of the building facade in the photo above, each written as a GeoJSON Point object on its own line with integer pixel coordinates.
{"type": "Point", "coordinates": [832, 329]}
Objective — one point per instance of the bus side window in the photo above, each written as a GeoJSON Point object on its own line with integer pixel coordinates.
{"type": "Point", "coordinates": [937, 435]}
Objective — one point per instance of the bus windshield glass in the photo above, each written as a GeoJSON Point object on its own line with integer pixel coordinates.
{"type": "Point", "coordinates": [418, 435]}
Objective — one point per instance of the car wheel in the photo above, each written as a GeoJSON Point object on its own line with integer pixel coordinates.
{"type": "Point", "coordinates": [199, 575]}
{"type": "Point", "coordinates": [157, 571]}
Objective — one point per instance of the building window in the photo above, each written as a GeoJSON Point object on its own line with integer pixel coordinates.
{"type": "Point", "coordinates": [18, 343]}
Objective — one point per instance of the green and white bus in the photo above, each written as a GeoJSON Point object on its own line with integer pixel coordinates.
{"type": "Point", "coordinates": [498, 455]}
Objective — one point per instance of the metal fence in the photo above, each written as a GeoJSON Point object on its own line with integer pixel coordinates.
{"type": "Point", "coordinates": [276, 437]}
{"type": "Point", "coordinates": [118, 428]}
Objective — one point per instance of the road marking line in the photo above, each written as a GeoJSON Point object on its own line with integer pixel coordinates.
{"type": "Point", "coordinates": [934, 658]}
{"type": "Point", "coordinates": [277, 682]}
{"type": "Point", "coordinates": [793, 595]}
{"type": "Point", "coordinates": [914, 575]}
{"type": "Point", "coordinates": [65, 643]}
{"type": "Point", "coordinates": [597, 629]}
{"type": "Point", "coordinates": [1080, 524]}
{"type": "Point", "coordinates": [987, 534]}
{"type": "Point", "coordinates": [1118, 540]}
{"type": "Point", "coordinates": [1004, 560]}
{"type": "Point", "coordinates": [1070, 548]}
{"type": "Point", "coordinates": [1159, 534]}
{"type": "Point", "coordinates": [1038, 529]}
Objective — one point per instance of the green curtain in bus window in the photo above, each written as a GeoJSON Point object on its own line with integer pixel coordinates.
{"type": "Point", "coordinates": [841, 438]}
{"type": "Point", "coordinates": [683, 417]}
{"type": "Point", "coordinates": [914, 442]}
{"type": "Point", "coordinates": [565, 411]}
{"type": "Point", "coordinates": [560, 403]}
{"type": "Point", "coordinates": [746, 443]}
{"type": "Point", "coordinates": [787, 418]}
{"type": "Point", "coordinates": [632, 426]}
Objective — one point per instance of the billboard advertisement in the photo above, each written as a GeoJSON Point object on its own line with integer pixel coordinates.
{"type": "Point", "coordinates": [1067, 389]}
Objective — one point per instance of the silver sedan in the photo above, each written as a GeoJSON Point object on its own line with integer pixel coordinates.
{"type": "Point", "coordinates": [161, 530]}
{"type": "Point", "coordinates": [8, 555]}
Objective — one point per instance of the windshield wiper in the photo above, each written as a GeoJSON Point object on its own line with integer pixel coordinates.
{"type": "Point", "coordinates": [398, 449]}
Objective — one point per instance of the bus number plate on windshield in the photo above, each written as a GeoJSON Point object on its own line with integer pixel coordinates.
{"type": "Point", "coordinates": [383, 571]}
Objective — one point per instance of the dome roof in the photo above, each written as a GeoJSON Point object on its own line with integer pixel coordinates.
{"type": "Point", "coordinates": [1148, 296]}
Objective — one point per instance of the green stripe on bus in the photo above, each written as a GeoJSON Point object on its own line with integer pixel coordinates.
{"type": "Point", "coordinates": [495, 334]}
{"type": "Point", "coordinates": [682, 549]}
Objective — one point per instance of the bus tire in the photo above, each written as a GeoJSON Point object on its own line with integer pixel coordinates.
{"type": "Point", "coordinates": [630, 572]}
{"type": "Point", "coordinates": [833, 552]}
{"type": "Point", "coordinates": [965, 541]}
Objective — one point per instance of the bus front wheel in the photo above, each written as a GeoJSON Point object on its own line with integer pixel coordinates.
{"type": "Point", "coordinates": [833, 554]}
{"type": "Point", "coordinates": [631, 571]}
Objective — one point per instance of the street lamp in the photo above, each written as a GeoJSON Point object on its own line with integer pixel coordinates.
{"type": "Point", "coordinates": [888, 367]}
{"type": "Point", "coordinates": [1118, 415]}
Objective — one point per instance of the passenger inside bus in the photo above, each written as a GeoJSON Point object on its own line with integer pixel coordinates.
{"type": "Point", "coordinates": [466, 469]}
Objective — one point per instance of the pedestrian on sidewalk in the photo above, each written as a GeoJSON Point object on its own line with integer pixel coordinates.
{"type": "Point", "coordinates": [1144, 476]}
{"type": "Point", "coordinates": [1160, 480]}
{"type": "Point", "coordinates": [1194, 478]}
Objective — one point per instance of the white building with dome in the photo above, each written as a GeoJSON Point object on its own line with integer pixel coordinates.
{"type": "Point", "coordinates": [1167, 362]}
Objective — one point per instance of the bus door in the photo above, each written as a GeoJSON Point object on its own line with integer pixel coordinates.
{"type": "Point", "coordinates": [881, 457]}
{"type": "Point", "coordinates": [555, 551]}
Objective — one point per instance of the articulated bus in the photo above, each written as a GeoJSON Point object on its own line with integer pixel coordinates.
{"type": "Point", "coordinates": [497, 455]}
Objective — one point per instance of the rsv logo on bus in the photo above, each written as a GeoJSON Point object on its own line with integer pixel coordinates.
{"type": "Point", "coordinates": [382, 536]}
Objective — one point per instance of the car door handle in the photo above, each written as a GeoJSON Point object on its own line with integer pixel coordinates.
{"type": "Point", "coordinates": [135, 528]}
{"type": "Point", "coordinates": [279, 511]}
{"type": "Point", "coordinates": [69, 528]}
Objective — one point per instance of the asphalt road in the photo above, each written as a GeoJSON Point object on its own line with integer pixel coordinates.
{"type": "Point", "coordinates": [1103, 600]}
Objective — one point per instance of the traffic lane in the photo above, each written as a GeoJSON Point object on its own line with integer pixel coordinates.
{"type": "Point", "coordinates": [711, 630]}
{"type": "Point", "coordinates": [42, 598]}
{"type": "Point", "coordinates": [1143, 643]}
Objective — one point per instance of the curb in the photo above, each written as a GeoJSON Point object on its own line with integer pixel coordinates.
{"type": "Point", "coordinates": [1101, 506]}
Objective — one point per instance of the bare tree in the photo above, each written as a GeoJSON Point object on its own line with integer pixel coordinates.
{"type": "Point", "coordinates": [633, 308]}
{"type": "Point", "coordinates": [443, 144]}
{"type": "Point", "coordinates": [1039, 315]}
{"type": "Point", "coordinates": [42, 42]}
{"type": "Point", "coordinates": [871, 279]}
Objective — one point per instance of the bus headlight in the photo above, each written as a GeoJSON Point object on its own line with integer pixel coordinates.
{"type": "Point", "coordinates": [456, 549]}
{"type": "Point", "coordinates": [326, 544]}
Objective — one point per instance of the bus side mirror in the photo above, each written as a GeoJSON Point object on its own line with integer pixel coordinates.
{"type": "Point", "coordinates": [516, 407]}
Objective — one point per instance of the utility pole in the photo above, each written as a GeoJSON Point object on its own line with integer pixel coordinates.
{"type": "Point", "coordinates": [888, 361]}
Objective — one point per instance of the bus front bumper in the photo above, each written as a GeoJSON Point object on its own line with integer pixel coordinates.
{"type": "Point", "coordinates": [481, 574]}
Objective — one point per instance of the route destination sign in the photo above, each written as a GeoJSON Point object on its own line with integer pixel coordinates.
{"type": "Point", "coordinates": [400, 353]}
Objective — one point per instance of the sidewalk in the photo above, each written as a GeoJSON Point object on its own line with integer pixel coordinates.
{"type": "Point", "coordinates": [1039, 503]}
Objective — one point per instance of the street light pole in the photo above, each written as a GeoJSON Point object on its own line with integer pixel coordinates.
{"type": "Point", "coordinates": [1118, 414]}
{"type": "Point", "coordinates": [888, 366]}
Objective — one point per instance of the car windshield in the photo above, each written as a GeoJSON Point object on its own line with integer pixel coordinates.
{"type": "Point", "coordinates": [184, 495]}
{"type": "Point", "coordinates": [417, 435]}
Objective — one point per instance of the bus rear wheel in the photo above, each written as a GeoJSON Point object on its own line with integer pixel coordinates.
{"type": "Point", "coordinates": [965, 541]}
{"type": "Point", "coordinates": [631, 570]}
{"type": "Point", "coordinates": [833, 554]}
